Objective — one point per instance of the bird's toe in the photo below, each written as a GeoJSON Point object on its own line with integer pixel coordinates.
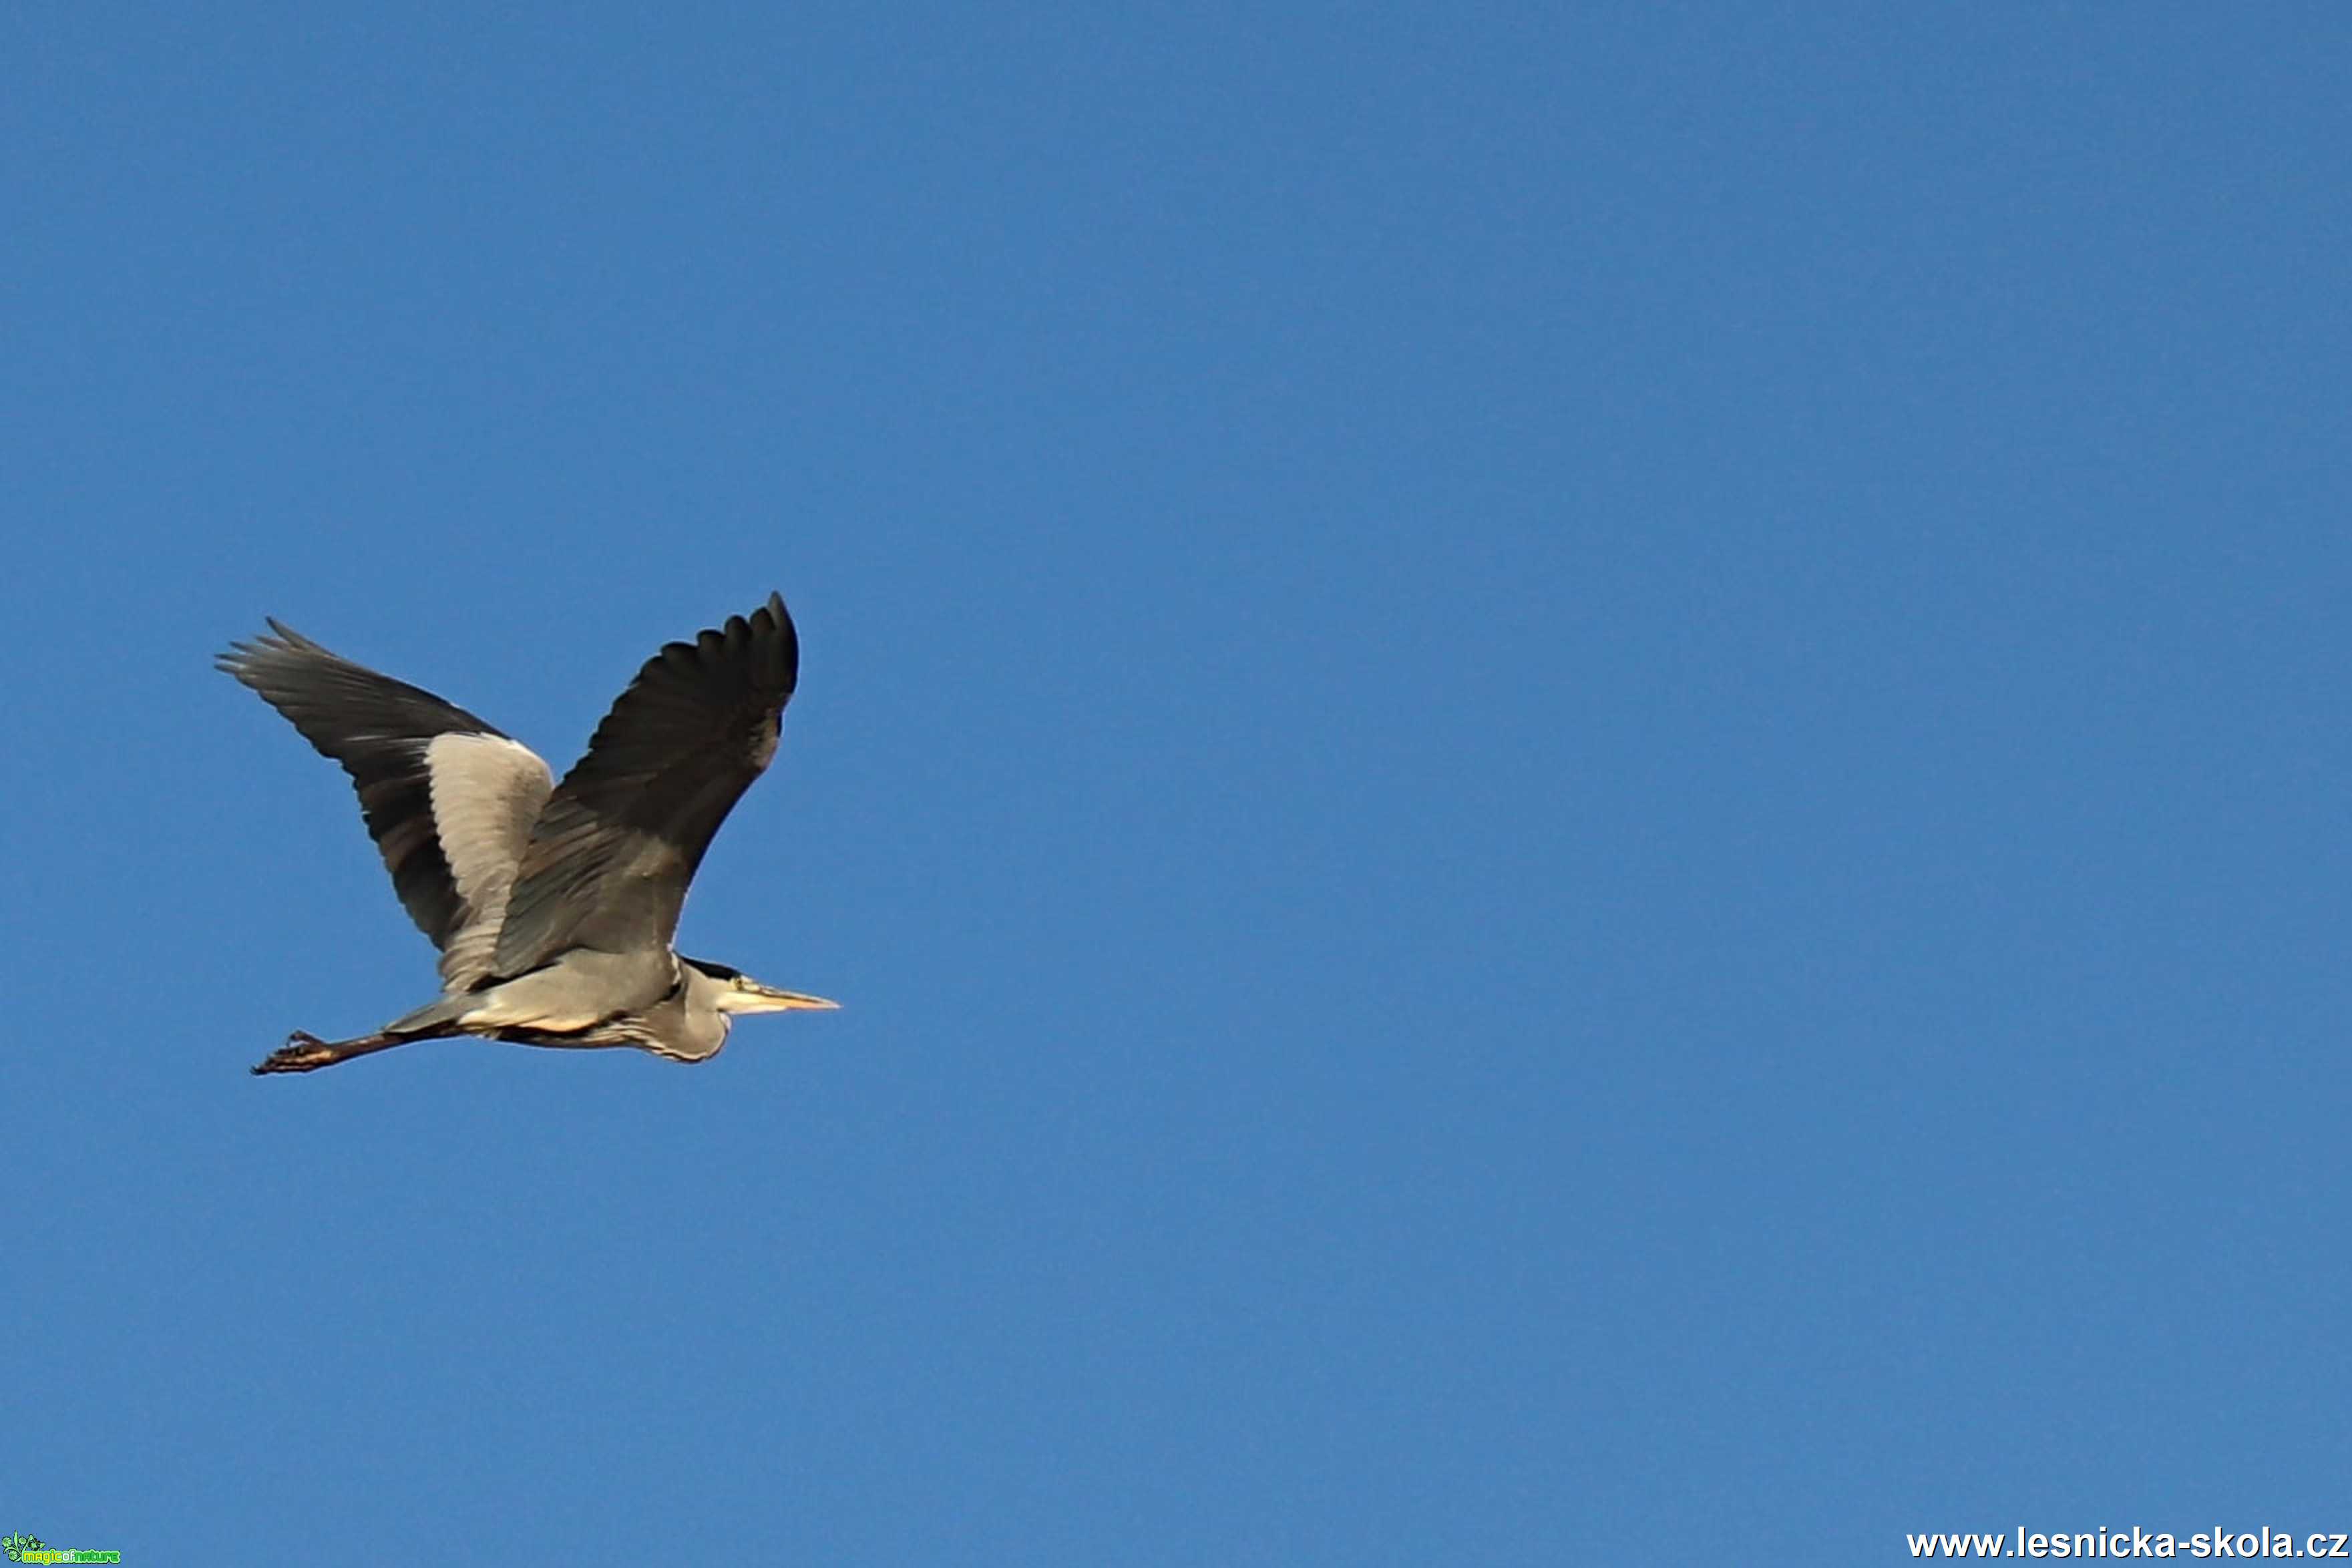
{"type": "Point", "coordinates": [300, 1053]}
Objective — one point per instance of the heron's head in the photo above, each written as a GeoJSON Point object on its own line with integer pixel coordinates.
{"type": "Point", "coordinates": [733, 991]}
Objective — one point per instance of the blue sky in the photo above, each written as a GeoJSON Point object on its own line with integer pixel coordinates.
{"type": "Point", "coordinates": [1577, 775]}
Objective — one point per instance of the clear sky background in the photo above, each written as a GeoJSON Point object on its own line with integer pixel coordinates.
{"type": "Point", "coordinates": [1576, 775]}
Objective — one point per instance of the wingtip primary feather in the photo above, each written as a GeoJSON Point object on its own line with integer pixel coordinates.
{"type": "Point", "coordinates": [243, 653]}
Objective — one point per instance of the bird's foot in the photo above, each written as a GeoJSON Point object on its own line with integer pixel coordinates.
{"type": "Point", "coordinates": [300, 1053]}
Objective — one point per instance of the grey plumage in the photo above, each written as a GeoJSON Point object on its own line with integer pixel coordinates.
{"type": "Point", "coordinates": [555, 905]}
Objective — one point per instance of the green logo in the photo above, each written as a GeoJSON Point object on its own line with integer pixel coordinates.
{"type": "Point", "coordinates": [31, 1549]}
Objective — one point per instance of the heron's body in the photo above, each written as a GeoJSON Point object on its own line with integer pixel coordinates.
{"type": "Point", "coordinates": [555, 905]}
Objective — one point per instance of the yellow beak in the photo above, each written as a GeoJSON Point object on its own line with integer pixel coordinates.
{"type": "Point", "coordinates": [759, 998]}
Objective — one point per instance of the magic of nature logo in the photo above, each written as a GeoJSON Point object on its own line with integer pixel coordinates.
{"type": "Point", "coordinates": [23, 1548]}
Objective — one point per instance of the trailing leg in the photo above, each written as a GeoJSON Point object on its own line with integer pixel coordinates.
{"type": "Point", "coordinates": [304, 1052]}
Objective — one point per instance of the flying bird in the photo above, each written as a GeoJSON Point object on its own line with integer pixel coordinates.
{"type": "Point", "coordinates": [555, 906]}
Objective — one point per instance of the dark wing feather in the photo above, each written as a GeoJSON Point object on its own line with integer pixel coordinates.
{"type": "Point", "coordinates": [377, 728]}
{"type": "Point", "coordinates": [612, 855]}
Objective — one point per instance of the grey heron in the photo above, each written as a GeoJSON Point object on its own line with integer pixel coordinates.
{"type": "Point", "coordinates": [555, 906]}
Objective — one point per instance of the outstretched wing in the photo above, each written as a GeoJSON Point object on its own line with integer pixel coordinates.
{"type": "Point", "coordinates": [449, 799]}
{"type": "Point", "coordinates": [611, 856]}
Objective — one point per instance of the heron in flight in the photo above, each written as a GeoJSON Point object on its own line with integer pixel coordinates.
{"type": "Point", "coordinates": [554, 905]}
